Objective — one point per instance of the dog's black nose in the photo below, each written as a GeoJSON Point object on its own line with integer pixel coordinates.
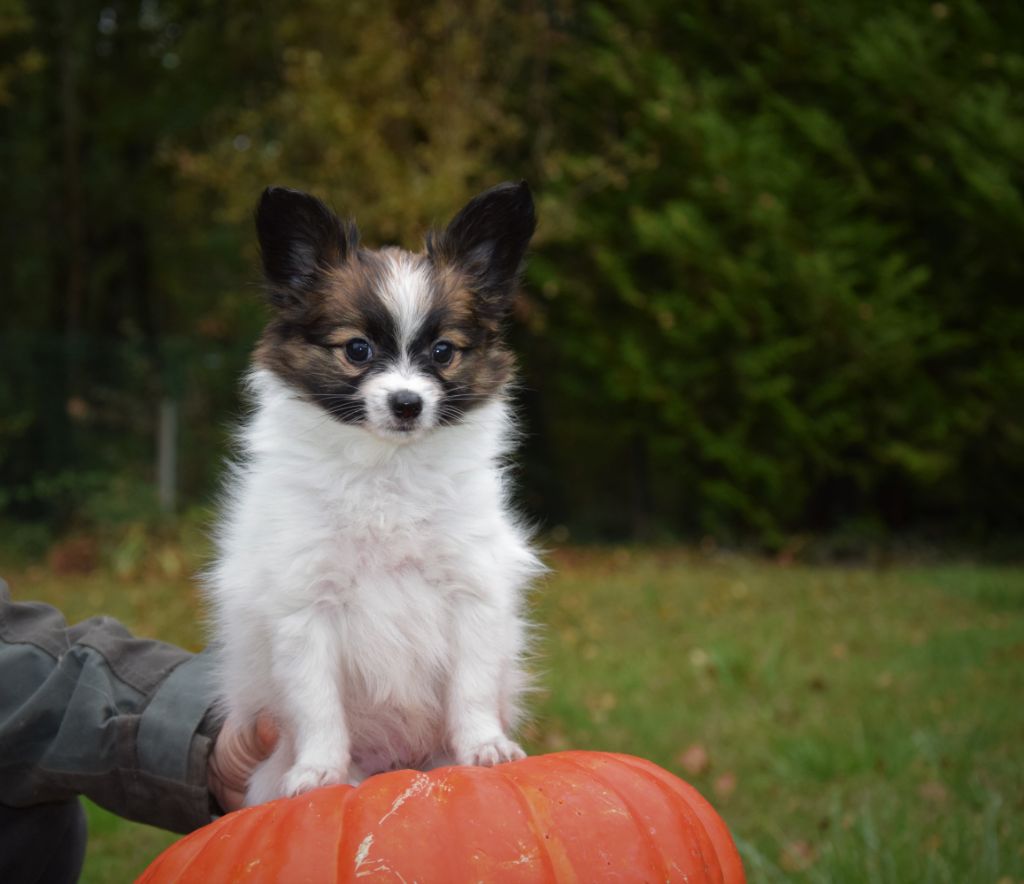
{"type": "Point", "coordinates": [405, 404]}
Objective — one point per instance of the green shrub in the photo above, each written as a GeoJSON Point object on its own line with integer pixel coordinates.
{"type": "Point", "coordinates": [782, 271]}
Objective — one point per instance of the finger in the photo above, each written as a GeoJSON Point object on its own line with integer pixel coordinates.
{"type": "Point", "coordinates": [230, 799]}
{"type": "Point", "coordinates": [266, 735]}
{"type": "Point", "coordinates": [240, 747]}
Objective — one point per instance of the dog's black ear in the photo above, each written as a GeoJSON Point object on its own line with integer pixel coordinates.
{"type": "Point", "coordinates": [488, 239]}
{"type": "Point", "coordinates": [300, 239]}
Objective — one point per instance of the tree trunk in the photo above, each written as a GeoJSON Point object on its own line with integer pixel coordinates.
{"type": "Point", "coordinates": [74, 210]}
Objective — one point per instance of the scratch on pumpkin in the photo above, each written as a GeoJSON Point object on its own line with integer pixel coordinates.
{"type": "Point", "coordinates": [363, 851]}
{"type": "Point", "coordinates": [374, 866]}
{"type": "Point", "coordinates": [420, 784]}
{"type": "Point", "coordinates": [524, 859]}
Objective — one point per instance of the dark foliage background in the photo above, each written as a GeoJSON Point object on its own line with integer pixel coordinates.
{"type": "Point", "coordinates": [776, 291]}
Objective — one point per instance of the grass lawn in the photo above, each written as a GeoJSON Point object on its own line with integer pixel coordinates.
{"type": "Point", "coordinates": [850, 724]}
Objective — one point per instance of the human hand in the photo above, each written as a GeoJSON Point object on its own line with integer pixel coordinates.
{"type": "Point", "coordinates": [240, 747]}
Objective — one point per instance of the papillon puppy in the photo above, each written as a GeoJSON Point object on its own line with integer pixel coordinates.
{"type": "Point", "coordinates": [368, 588]}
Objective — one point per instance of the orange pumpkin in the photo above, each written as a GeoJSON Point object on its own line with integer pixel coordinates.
{"type": "Point", "coordinates": [569, 816]}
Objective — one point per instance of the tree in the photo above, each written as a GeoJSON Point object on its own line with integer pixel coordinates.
{"type": "Point", "coordinates": [781, 239]}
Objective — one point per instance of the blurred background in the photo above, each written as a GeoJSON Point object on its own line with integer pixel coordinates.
{"type": "Point", "coordinates": [774, 306]}
{"type": "Point", "coordinates": [775, 293]}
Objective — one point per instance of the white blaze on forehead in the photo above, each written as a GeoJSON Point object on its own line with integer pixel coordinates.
{"type": "Point", "coordinates": [406, 293]}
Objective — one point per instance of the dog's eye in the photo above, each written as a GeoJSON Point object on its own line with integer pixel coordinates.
{"type": "Point", "coordinates": [357, 350]}
{"type": "Point", "coordinates": [442, 352]}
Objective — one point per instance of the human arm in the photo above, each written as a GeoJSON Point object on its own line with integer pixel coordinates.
{"type": "Point", "coordinates": [89, 709]}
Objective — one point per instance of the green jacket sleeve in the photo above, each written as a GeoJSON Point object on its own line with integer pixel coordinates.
{"type": "Point", "coordinates": [90, 710]}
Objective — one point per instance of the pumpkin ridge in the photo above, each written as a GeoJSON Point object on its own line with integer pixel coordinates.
{"type": "Point", "coordinates": [531, 818]}
{"type": "Point", "coordinates": [342, 832]}
{"type": "Point", "coordinates": [644, 834]}
{"type": "Point", "coordinates": [710, 822]}
{"type": "Point", "coordinates": [254, 818]}
{"type": "Point", "coordinates": [700, 837]}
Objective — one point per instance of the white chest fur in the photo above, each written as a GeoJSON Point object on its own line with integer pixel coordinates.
{"type": "Point", "coordinates": [369, 593]}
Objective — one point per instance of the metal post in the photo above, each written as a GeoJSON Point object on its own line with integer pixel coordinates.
{"type": "Point", "coordinates": [167, 455]}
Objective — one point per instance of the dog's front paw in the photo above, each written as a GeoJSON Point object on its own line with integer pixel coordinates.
{"type": "Point", "coordinates": [491, 752]}
{"type": "Point", "coordinates": [305, 777]}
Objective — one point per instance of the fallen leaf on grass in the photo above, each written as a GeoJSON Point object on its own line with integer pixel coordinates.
{"type": "Point", "coordinates": [699, 658]}
{"type": "Point", "coordinates": [725, 784]}
{"type": "Point", "coordinates": [933, 792]}
{"type": "Point", "coordinates": [694, 760]}
{"type": "Point", "coordinates": [556, 741]}
{"type": "Point", "coordinates": [600, 705]}
{"type": "Point", "coordinates": [797, 856]}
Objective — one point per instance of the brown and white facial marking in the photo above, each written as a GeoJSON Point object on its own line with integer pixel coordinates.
{"type": "Point", "coordinates": [399, 343]}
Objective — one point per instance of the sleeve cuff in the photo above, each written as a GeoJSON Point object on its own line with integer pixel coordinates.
{"type": "Point", "coordinates": [174, 739]}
